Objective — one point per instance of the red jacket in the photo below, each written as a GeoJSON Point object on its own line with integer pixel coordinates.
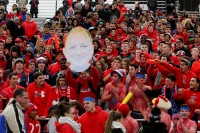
{"type": "Point", "coordinates": [64, 128]}
{"type": "Point", "coordinates": [33, 126]}
{"type": "Point", "coordinates": [41, 97]}
{"type": "Point", "coordinates": [3, 63]}
{"type": "Point", "coordinates": [174, 60]}
{"type": "Point", "coordinates": [54, 68]}
{"type": "Point", "coordinates": [30, 28]}
{"type": "Point", "coordinates": [9, 92]}
{"type": "Point", "coordinates": [153, 72]}
{"type": "Point", "coordinates": [189, 94]}
{"type": "Point", "coordinates": [195, 68]}
{"type": "Point", "coordinates": [69, 92]}
{"type": "Point", "coordinates": [183, 79]}
{"type": "Point", "coordinates": [93, 122]}
{"type": "Point", "coordinates": [85, 90]}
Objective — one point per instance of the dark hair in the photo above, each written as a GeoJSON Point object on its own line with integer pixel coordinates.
{"type": "Point", "coordinates": [12, 74]}
{"type": "Point", "coordinates": [19, 92]}
{"type": "Point", "coordinates": [171, 77]}
{"type": "Point", "coordinates": [180, 39]}
{"type": "Point", "coordinates": [168, 58]}
{"type": "Point", "coordinates": [168, 44]}
{"type": "Point", "coordinates": [155, 115]}
{"type": "Point", "coordinates": [78, 107]}
{"type": "Point", "coordinates": [60, 109]}
{"type": "Point", "coordinates": [161, 42]}
{"type": "Point", "coordinates": [113, 116]}
{"type": "Point", "coordinates": [117, 58]}
{"type": "Point", "coordinates": [37, 74]}
{"type": "Point", "coordinates": [135, 65]}
{"type": "Point", "coordinates": [57, 12]}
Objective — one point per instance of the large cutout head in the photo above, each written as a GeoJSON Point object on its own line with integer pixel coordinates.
{"type": "Point", "coordinates": [78, 49]}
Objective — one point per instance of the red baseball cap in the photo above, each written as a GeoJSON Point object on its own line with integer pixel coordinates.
{"type": "Point", "coordinates": [18, 40]}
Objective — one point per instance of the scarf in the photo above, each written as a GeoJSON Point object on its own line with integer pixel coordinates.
{"type": "Point", "coordinates": [174, 109]}
{"type": "Point", "coordinates": [116, 124]}
{"type": "Point", "coordinates": [72, 123]}
{"type": "Point", "coordinates": [35, 4]}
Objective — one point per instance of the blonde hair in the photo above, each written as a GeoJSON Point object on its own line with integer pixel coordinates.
{"type": "Point", "coordinates": [37, 45]}
{"type": "Point", "coordinates": [49, 46]}
{"type": "Point", "coordinates": [79, 30]}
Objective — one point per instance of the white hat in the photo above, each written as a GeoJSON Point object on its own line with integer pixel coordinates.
{"type": "Point", "coordinates": [41, 58]}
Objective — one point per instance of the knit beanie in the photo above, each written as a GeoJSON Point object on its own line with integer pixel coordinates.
{"type": "Point", "coordinates": [32, 107]}
{"type": "Point", "coordinates": [124, 109]}
{"type": "Point", "coordinates": [19, 60]}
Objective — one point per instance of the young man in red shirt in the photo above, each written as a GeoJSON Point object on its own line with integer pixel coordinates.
{"type": "Point", "coordinates": [40, 94]}
{"type": "Point", "coordinates": [13, 85]}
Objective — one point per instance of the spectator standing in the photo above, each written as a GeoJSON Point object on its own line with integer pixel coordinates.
{"type": "Point", "coordinates": [30, 26]}
{"type": "Point", "coordinates": [65, 7]}
{"type": "Point", "coordinates": [152, 5]}
{"type": "Point", "coordinates": [34, 7]}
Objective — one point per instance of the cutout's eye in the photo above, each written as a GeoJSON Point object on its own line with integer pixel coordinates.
{"type": "Point", "coordinates": [72, 47]}
{"type": "Point", "coordinates": [83, 46]}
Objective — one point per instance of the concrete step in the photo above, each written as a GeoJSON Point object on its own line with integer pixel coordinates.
{"type": "Point", "coordinates": [39, 21]}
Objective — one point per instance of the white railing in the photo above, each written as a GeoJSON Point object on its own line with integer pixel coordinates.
{"type": "Point", "coordinates": [47, 8]}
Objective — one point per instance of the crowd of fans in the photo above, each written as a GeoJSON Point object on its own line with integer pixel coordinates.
{"type": "Point", "coordinates": [151, 54]}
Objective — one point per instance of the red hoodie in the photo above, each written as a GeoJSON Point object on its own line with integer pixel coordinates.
{"type": "Point", "coordinates": [68, 92]}
{"type": "Point", "coordinates": [3, 63]}
{"type": "Point", "coordinates": [64, 128]}
{"type": "Point", "coordinates": [49, 57]}
{"type": "Point", "coordinates": [54, 68]}
{"type": "Point", "coordinates": [195, 68]}
{"type": "Point", "coordinates": [84, 91]}
{"type": "Point", "coordinates": [30, 28]}
{"type": "Point", "coordinates": [93, 122]}
{"type": "Point", "coordinates": [183, 79]}
{"type": "Point", "coordinates": [41, 97]}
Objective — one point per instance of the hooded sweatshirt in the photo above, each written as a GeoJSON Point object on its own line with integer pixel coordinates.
{"type": "Point", "coordinates": [67, 125]}
{"type": "Point", "coordinates": [41, 97]}
{"type": "Point", "coordinates": [93, 122]}
{"type": "Point", "coordinates": [30, 28]}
